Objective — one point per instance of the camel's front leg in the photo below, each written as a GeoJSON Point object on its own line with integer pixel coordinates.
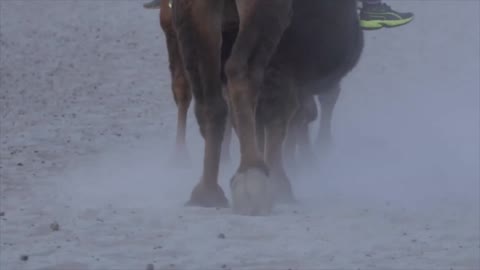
{"type": "Point", "coordinates": [198, 26]}
{"type": "Point", "coordinates": [327, 104]}
{"type": "Point", "coordinates": [262, 24]}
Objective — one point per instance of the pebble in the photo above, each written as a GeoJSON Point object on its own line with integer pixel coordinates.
{"type": "Point", "coordinates": [55, 226]}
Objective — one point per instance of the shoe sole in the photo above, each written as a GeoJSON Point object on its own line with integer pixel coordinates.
{"type": "Point", "coordinates": [375, 25]}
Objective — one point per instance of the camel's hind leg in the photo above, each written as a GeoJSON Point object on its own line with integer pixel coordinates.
{"type": "Point", "coordinates": [180, 87]}
{"type": "Point", "coordinates": [227, 138]}
{"type": "Point", "coordinates": [227, 141]}
{"type": "Point", "coordinates": [298, 148]}
{"type": "Point", "coordinates": [228, 39]}
{"type": "Point", "coordinates": [309, 114]}
{"type": "Point", "coordinates": [262, 24]}
{"type": "Point", "coordinates": [198, 25]}
{"type": "Point", "coordinates": [327, 104]}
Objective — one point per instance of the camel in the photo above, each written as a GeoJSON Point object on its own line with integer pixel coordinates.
{"type": "Point", "coordinates": [283, 50]}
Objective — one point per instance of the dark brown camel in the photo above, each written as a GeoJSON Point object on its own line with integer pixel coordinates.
{"type": "Point", "coordinates": [284, 49]}
{"type": "Point", "coordinates": [180, 86]}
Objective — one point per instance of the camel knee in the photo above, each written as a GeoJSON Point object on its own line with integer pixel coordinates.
{"type": "Point", "coordinates": [237, 69]}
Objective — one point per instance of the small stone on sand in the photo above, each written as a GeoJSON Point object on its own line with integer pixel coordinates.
{"type": "Point", "coordinates": [55, 226]}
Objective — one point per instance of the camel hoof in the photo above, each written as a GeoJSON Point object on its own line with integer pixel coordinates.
{"type": "Point", "coordinates": [252, 193]}
{"type": "Point", "coordinates": [205, 196]}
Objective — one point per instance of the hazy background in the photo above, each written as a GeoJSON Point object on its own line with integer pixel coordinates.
{"type": "Point", "coordinates": [87, 123]}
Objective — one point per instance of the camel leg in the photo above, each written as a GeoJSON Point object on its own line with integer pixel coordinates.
{"type": "Point", "coordinates": [228, 39]}
{"type": "Point", "coordinates": [260, 131]}
{"type": "Point", "coordinates": [198, 25]}
{"type": "Point", "coordinates": [277, 107]}
{"type": "Point", "coordinates": [262, 24]}
{"type": "Point", "coordinates": [183, 97]}
{"type": "Point", "coordinates": [327, 104]}
{"type": "Point", "coordinates": [260, 126]}
{"type": "Point", "coordinates": [227, 138]}
{"type": "Point", "coordinates": [290, 145]}
{"type": "Point", "coordinates": [180, 87]}
{"type": "Point", "coordinates": [227, 141]}
{"type": "Point", "coordinates": [308, 114]}
{"type": "Point", "coordinates": [298, 149]}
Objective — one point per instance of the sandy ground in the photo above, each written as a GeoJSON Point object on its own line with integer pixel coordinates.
{"type": "Point", "coordinates": [87, 123]}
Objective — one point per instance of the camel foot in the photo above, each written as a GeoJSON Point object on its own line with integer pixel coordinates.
{"type": "Point", "coordinates": [206, 196]}
{"type": "Point", "coordinates": [252, 193]}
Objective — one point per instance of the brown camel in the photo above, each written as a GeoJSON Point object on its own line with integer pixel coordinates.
{"type": "Point", "coordinates": [283, 50]}
{"type": "Point", "coordinates": [180, 86]}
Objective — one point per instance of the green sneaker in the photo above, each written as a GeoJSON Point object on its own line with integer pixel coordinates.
{"type": "Point", "coordinates": [378, 16]}
{"type": "Point", "coordinates": [154, 4]}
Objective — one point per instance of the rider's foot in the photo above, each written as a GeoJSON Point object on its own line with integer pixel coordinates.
{"type": "Point", "coordinates": [376, 16]}
{"type": "Point", "coordinates": [154, 4]}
